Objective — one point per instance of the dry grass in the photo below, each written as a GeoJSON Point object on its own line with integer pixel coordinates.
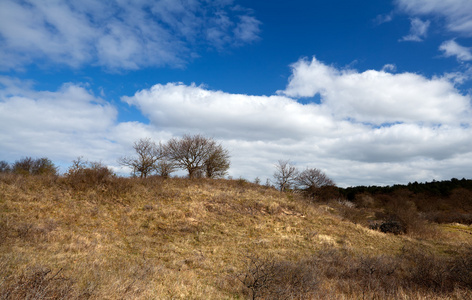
{"type": "Point", "coordinates": [185, 239]}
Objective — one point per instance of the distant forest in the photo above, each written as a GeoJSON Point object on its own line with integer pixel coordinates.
{"type": "Point", "coordinates": [448, 201]}
{"type": "Point", "coordinates": [435, 188]}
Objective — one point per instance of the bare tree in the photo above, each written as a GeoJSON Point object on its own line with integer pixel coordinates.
{"type": "Point", "coordinates": [285, 174]}
{"type": "Point", "coordinates": [316, 184]}
{"type": "Point", "coordinates": [148, 155]}
{"type": "Point", "coordinates": [313, 178]}
{"type": "Point", "coordinates": [165, 167]}
{"type": "Point", "coordinates": [195, 153]}
{"type": "Point", "coordinates": [217, 163]}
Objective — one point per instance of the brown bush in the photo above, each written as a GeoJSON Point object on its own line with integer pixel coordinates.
{"type": "Point", "coordinates": [82, 176]}
{"type": "Point", "coordinates": [270, 279]}
{"type": "Point", "coordinates": [37, 283]}
{"type": "Point", "coordinates": [38, 166]}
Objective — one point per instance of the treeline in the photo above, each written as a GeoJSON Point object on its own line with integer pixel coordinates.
{"type": "Point", "coordinates": [198, 155]}
{"type": "Point", "coordinates": [435, 188]}
{"type": "Point", "coordinates": [447, 201]}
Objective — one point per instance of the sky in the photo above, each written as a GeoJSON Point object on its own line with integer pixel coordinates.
{"type": "Point", "coordinates": [370, 92]}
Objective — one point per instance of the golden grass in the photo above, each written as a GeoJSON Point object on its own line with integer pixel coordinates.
{"type": "Point", "coordinates": [170, 239]}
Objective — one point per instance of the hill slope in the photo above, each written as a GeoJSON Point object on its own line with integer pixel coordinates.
{"type": "Point", "coordinates": [200, 239]}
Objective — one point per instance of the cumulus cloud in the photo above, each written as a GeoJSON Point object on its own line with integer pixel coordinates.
{"type": "Point", "coordinates": [62, 124]}
{"type": "Point", "coordinates": [418, 31]}
{"type": "Point", "coordinates": [183, 108]}
{"type": "Point", "coordinates": [118, 34]}
{"type": "Point", "coordinates": [378, 97]}
{"type": "Point", "coordinates": [452, 48]}
{"type": "Point", "coordinates": [456, 13]}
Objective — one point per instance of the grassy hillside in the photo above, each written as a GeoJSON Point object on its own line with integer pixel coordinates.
{"type": "Point", "coordinates": [210, 239]}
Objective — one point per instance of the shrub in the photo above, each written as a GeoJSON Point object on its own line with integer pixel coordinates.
{"type": "Point", "coordinates": [270, 279]}
{"type": "Point", "coordinates": [4, 167]}
{"type": "Point", "coordinates": [82, 174]}
{"type": "Point", "coordinates": [30, 166]}
{"type": "Point", "coordinates": [392, 226]}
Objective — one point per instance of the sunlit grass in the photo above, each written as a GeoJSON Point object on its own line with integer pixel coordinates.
{"type": "Point", "coordinates": [174, 238]}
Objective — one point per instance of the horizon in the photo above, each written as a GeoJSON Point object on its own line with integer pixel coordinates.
{"type": "Point", "coordinates": [370, 93]}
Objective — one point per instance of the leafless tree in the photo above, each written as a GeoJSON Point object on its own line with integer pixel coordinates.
{"type": "Point", "coordinates": [217, 163]}
{"type": "Point", "coordinates": [285, 174]}
{"type": "Point", "coordinates": [198, 154]}
{"type": "Point", "coordinates": [316, 184]}
{"type": "Point", "coordinates": [165, 167]}
{"type": "Point", "coordinates": [148, 155]}
{"type": "Point", "coordinates": [313, 178]}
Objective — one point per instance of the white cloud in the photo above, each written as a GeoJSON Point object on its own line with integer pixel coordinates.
{"type": "Point", "coordinates": [380, 19]}
{"type": "Point", "coordinates": [183, 108]}
{"type": "Point", "coordinates": [118, 34]}
{"type": "Point", "coordinates": [248, 29]}
{"type": "Point", "coordinates": [366, 122]}
{"type": "Point", "coordinates": [371, 127]}
{"type": "Point", "coordinates": [389, 67]}
{"type": "Point", "coordinates": [457, 13]}
{"type": "Point", "coordinates": [379, 97]}
{"type": "Point", "coordinates": [62, 124]}
{"type": "Point", "coordinates": [452, 48]}
{"type": "Point", "coordinates": [418, 31]}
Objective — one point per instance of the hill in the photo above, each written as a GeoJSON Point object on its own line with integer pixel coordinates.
{"type": "Point", "coordinates": [114, 238]}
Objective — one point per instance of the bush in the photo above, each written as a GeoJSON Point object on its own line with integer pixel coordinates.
{"type": "Point", "coordinates": [82, 174]}
{"type": "Point", "coordinates": [30, 166]}
{"type": "Point", "coordinates": [4, 167]}
{"type": "Point", "coordinates": [269, 279]}
{"type": "Point", "coordinates": [392, 226]}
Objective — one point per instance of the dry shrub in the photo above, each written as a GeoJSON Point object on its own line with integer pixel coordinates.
{"type": "Point", "coordinates": [400, 216]}
{"type": "Point", "coordinates": [353, 214]}
{"type": "Point", "coordinates": [427, 272]}
{"type": "Point", "coordinates": [270, 279]}
{"type": "Point", "coordinates": [355, 274]}
{"type": "Point", "coordinates": [442, 217]}
{"type": "Point", "coordinates": [364, 200]}
{"type": "Point", "coordinates": [89, 177]}
{"type": "Point", "coordinates": [83, 176]}
{"type": "Point", "coordinates": [334, 272]}
{"type": "Point", "coordinates": [38, 166]}
{"type": "Point", "coordinates": [37, 283]}
{"type": "Point", "coordinates": [461, 268]}
{"type": "Point", "coordinates": [439, 274]}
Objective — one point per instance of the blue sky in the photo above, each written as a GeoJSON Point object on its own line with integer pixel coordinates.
{"type": "Point", "coordinates": [371, 92]}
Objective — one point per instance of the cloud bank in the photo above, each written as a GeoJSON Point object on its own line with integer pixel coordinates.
{"type": "Point", "coordinates": [371, 127]}
{"type": "Point", "coordinates": [387, 123]}
{"type": "Point", "coordinates": [119, 34]}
